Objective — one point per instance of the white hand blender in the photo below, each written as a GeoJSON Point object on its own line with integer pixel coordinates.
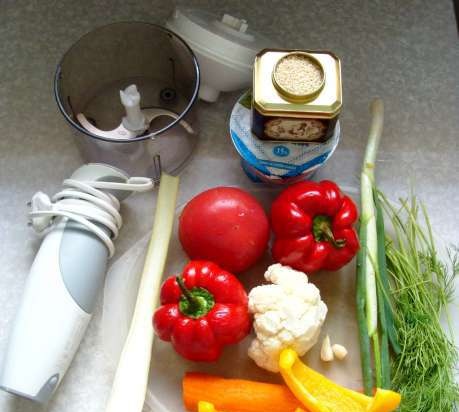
{"type": "Point", "coordinates": [66, 276]}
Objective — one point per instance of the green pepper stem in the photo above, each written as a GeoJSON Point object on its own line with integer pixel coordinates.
{"type": "Point", "coordinates": [321, 228]}
{"type": "Point", "coordinates": [194, 302]}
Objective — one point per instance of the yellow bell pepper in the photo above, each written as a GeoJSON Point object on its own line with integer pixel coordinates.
{"type": "Point", "coordinates": [319, 394]}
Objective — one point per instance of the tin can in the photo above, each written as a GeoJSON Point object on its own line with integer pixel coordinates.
{"type": "Point", "coordinates": [276, 163]}
{"type": "Point", "coordinates": [297, 95]}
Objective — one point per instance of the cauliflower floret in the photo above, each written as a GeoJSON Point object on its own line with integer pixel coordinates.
{"type": "Point", "coordinates": [288, 313]}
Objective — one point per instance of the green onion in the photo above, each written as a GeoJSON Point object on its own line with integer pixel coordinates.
{"type": "Point", "coordinates": [386, 319]}
{"type": "Point", "coordinates": [364, 339]}
{"type": "Point", "coordinates": [368, 215]}
{"type": "Point", "coordinates": [384, 300]}
{"type": "Point", "coordinates": [370, 293]}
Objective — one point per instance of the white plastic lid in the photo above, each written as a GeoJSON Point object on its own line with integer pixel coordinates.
{"type": "Point", "coordinates": [226, 39]}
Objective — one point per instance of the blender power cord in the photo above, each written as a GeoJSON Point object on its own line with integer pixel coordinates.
{"type": "Point", "coordinates": [86, 204]}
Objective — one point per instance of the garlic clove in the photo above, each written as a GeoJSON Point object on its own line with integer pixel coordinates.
{"type": "Point", "coordinates": [339, 351]}
{"type": "Point", "coordinates": [326, 352]}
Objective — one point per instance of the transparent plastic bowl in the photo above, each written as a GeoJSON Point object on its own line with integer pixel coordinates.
{"type": "Point", "coordinates": [166, 72]}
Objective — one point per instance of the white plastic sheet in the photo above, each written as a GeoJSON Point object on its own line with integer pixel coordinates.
{"type": "Point", "coordinates": [168, 368]}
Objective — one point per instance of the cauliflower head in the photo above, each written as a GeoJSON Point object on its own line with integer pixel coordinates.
{"type": "Point", "coordinates": [288, 313]}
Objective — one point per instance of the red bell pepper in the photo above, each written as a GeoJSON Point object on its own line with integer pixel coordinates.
{"type": "Point", "coordinates": [312, 224]}
{"type": "Point", "coordinates": [202, 310]}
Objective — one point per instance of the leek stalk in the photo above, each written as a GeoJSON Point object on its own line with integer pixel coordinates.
{"type": "Point", "coordinates": [131, 378]}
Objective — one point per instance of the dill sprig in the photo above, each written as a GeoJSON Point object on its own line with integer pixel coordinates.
{"type": "Point", "coordinates": [422, 286]}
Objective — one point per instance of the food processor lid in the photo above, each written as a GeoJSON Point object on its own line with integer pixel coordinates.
{"type": "Point", "coordinates": [227, 39]}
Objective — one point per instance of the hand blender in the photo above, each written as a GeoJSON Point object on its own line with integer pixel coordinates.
{"type": "Point", "coordinates": [66, 276]}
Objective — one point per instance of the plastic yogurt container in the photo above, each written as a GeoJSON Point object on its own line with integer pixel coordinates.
{"type": "Point", "coordinates": [275, 162]}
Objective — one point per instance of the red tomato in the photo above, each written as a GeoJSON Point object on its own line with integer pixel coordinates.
{"type": "Point", "coordinates": [224, 225]}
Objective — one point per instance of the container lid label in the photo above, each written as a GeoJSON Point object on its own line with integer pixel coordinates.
{"type": "Point", "coordinates": [282, 159]}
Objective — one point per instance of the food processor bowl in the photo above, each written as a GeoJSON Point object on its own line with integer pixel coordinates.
{"type": "Point", "coordinates": [88, 81]}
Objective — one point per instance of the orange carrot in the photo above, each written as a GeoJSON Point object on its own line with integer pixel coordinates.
{"type": "Point", "coordinates": [236, 395]}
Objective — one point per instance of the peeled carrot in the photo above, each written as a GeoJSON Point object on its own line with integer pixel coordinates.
{"type": "Point", "coordinates": [236, 395]}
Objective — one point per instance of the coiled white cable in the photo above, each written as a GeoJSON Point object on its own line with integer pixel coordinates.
{"type": "Point", "coordinates": [86, 204]}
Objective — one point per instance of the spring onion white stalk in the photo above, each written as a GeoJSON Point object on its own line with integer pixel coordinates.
{"type": "Point", "coordinates": [131, 379]}
{"type": "Point", "coordinates": [368, 214]}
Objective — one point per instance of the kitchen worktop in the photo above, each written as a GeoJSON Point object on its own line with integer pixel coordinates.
{"type": "Point", "coordinates": [405, 52]}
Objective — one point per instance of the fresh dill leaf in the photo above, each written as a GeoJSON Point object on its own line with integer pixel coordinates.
{"type": "Point", "coordinates": [422, 286]}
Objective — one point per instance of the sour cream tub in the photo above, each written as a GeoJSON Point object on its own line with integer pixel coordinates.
{"type": "Point", "coordinates": [275, 162]}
